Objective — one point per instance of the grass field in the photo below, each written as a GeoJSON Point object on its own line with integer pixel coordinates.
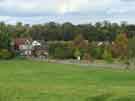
{"type": "Point", "coordinates": [22, 80]}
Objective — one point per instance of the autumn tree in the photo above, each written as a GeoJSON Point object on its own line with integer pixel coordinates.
{"type": "Point", "coordinates": [80, 45]}
{"type": "Point", "coordinates": [120, 46]}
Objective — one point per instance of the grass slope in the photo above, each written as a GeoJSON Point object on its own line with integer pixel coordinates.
{"type": "Point", "coordinates": [22, 80]}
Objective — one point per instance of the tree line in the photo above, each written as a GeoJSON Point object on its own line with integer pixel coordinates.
{"type": "Point", "coordinates": [100, 31]}
{"type": "Point", "coordinates": [121, 34]}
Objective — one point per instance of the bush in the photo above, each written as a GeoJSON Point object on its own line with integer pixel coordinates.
{"type": "Point", "coordinates": [60, 50]}
{"type": "Point", "coordinates": [77, 53]}
{"type": "Point", "coordinates": [87, 57]}
{"type": "Point", "coordinates": [5, 54]}
{"type": "Point", "coordinates": [131, 48]}
{"type": "Point", "coordinates": [97, 52]}
{"type": "Point", "coordinates": [107, 55]}
{"type": "Point", "coordinates": [63, 53]}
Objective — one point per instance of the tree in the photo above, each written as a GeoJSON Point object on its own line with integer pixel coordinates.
{"type": "Point", "coordinates": [131, 49]}
{"type": "Point", "coordinates": [68, 31]}
{"type": "Point", "coordinates": [97, 52]}
{"type": "Point", "coordinates": [131, 31]}
{"type": "Point", "coordinates": [120, 47]}
{"type": "Point", "coordinates": [80, 45]}
{"type": "Point", "coordinates": [107, 55]}
{"type": "Point", "coordinates": [5, 39]}
{"type": "Point", "coordinates": [80, 42]}
{"type": "Point", "coordinates": [77, 54]}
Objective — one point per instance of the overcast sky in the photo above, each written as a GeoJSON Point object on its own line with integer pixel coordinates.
{"type": "Point", "coordinates": [75, 11]}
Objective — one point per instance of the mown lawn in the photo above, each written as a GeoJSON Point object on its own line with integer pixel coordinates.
{"type": "Point", "coordinates": [22, 80]}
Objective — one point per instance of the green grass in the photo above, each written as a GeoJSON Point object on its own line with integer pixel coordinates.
{"type": "Point", "coordinates": [22, 80]}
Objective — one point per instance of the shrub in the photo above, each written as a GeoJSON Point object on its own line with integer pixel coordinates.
{"type": "Point", "coordinates": [107, 55]}
{"type": "Point", "coordinates": [77, 53]}
{"type": "Point", "coordinates": [97, 52]}
{"type": "Point", "coordinates": [63, 53]}
{"type": "Point", "coordinates": [131, 48]}
{"type": "Point", "coordinates": [60, 50]}
{"type": "Point", "coordinates": [87, 57]}
{"type": "Point", "coordinates": [6, 54]}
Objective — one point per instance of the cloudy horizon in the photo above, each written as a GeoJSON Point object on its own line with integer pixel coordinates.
{"type": "Point", "coordinates": [74, 11]}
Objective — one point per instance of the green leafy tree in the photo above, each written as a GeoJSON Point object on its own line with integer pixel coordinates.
{"type": "Point", "coordinates": [131, 49]}
{"type": "Point", "coordinates": [107, 55]}
{"type": "Point", "coordinates": [97, 52]}
{"type": "Point", "coordinates": [5, 39]}
{"type": "Point", "coordinates": [77, 54]}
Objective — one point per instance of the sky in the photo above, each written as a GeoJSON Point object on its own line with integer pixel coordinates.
{"type": "Point", "coordinates": [74, 11]}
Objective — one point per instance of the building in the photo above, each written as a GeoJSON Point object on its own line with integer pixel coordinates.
{"type": "Point", "coordinates": [23, 46]}
{"type": "Point", "coordinates": [40, 49]}
{"type": "Point", "coordinates": [29, 47]}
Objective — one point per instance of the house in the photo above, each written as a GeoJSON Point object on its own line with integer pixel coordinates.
{"type": "Point", "coordinates": [101, 43]}
{"type": "Point", "coordinates": [36, 43]}
{"type": "Point", "coordinates": [28, 47]}
{"type": "Point", "coordinates": [23, 46]}
{"type": "Point", "coordinates": [40, 49]}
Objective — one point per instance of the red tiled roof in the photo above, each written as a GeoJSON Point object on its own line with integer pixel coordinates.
{"type": "Point", "coordinates": [20, 41]}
